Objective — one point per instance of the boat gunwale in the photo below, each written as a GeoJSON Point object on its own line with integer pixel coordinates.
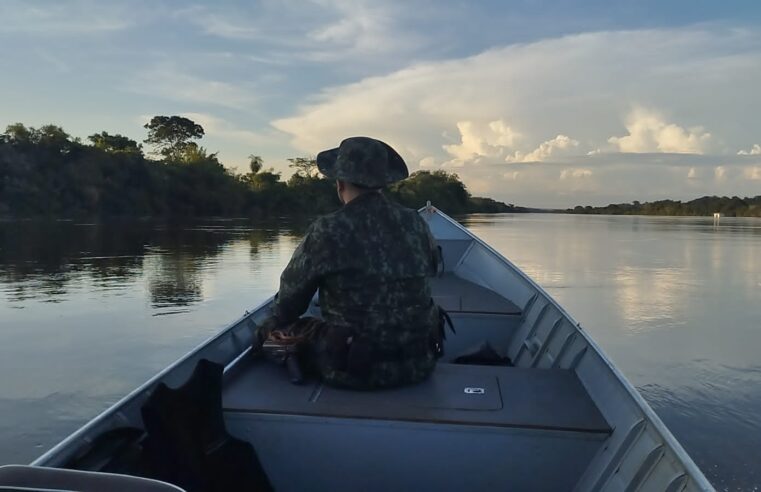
{"type": "Point", "coordinates": [686, 461]}
{"type": "Point", "coordinates": [690, 467]}
{"type": "Point", "coordinates": [111, 411]}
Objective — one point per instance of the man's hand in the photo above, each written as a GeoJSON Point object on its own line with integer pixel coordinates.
{"type": "Point", "coordinates": [265, 328]}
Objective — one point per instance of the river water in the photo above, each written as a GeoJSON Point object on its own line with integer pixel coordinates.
{"type": "Point", "coordinates": [88, 312]}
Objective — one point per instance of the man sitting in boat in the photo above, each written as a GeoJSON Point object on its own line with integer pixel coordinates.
{"type": "Point", "coordinates": [370, 261]}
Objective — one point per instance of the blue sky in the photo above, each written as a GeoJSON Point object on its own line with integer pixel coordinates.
{"type": "Point", "coordinates": [533, 102]}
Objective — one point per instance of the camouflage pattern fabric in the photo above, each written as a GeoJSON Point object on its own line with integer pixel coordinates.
{"type": "Point", "coordinates": [370, 261]}
{"type": "Point", "coordinates": [364, 161]}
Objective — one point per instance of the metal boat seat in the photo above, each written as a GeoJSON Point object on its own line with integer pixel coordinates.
{"type": "Point", "coordinates": [455, 294]}
{"type": "Point", "coordinates": [455, 394]}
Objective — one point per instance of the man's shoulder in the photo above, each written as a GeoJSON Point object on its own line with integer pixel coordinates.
{"type": "Point", "coordinates": [408, 215]}
{"type": "Point", "coordinates": [384, 210]}
{"type": "Point", "coordinates": [328, 223]}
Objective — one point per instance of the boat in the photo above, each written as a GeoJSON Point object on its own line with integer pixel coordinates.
{"type": "Point", "coordinates": [561, 416]}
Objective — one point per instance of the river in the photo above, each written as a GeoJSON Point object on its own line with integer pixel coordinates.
{"type": "Point", "coordinates": [88, 312]}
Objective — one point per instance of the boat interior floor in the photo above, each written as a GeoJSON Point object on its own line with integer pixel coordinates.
{"type": "Point", "coordinates": [547, 399]}
{"type": "Point", "coordinates": [490, 427]}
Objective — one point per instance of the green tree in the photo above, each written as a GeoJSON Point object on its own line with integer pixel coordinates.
{"type": "Point", "coordinates": [172, 136]}
{"type": "Point", "coordinates": [50, 137]}
{"type": "Point", "coordinates": [114, 143]}
{"type": "Point", "coordinates": [305, 167]}
{"type": "Point", "coordinates": [255, 163]}
{"type": "Point", "coordinates": [442, 189]}
{"type": "Point", "coordinates": [18, 133]}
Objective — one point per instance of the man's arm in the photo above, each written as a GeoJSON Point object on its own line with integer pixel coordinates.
{"type": "Point", "coordinates": [299, 280]}
{"type": "Point", "coordinates": [436, 258]}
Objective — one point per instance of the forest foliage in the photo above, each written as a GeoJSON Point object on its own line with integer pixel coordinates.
{"type": "Point", "coordinates": [45, 172]}
{"type": "Point", "coordinates": [704, 206]}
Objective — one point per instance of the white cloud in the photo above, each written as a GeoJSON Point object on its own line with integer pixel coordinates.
{"type": "Point", "coordinates": [64, 18]}
{"type": "Point", "coordinates": [752, 173]}
{"type": "Point", "coordinates": [491, 140]}
{"type": "Point", "coordinates": [216, 25]}
{"type": "Point", "coordinates": [362, 27]}
{"type": "Point", "coordinates": [427, 162]}
{"type": "Point", "coordinates": [720, 172]}
{"type": "Point", "coordinates": [575, 86]}
{"type": "Point", "coordinates": [547, 149]}
{"type": "Point", "coordinates": [648, 132]}
{"type": "Point", "coordinates": [169, 82]}
{"type": "Point", "coordinates": [588, 85]}
{"type": "Point", "coordinates": [315, 30]}
{"type": "Point", "coordinates": [755, 150]}
{"type": "Point", "coordinates": [575, 173]}
{"type": "Point", "coordinates": [220, 128]}
{"type": "Point", "coordinates": [692, 173]}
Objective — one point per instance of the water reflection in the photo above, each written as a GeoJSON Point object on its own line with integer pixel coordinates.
{"type": "Point", "coordinates": [42, 260]}
{"type": "Point", "coordinates": [89, 312]}
{"type": "Point", "coordinates": [676, 303]}
{"type": "Point", "coordinates": [650, 299]}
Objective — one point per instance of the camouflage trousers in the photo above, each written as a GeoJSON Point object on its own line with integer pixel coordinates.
{"type": "Point", "coordinates": [339, 357]}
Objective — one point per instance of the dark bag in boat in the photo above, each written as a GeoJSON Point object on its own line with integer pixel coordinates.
{"type": "Point", "coordinates": [483, 355]}
{"type": "Point", "coordinates": [440, 334]}
{"type": "Point", "coordinates": [187, 442]}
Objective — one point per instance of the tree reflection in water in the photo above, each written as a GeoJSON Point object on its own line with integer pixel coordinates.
{"type": "Point", "coordinates": [49, 260]}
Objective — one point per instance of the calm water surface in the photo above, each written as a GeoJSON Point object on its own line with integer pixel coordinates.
{"type": "Point", "coordinates": [88, 312]}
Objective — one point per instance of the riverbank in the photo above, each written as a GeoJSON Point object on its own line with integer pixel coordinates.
{"type": "Point", "coordinates": [44, 172]}
{"type": "Point", "coordinates": [705, 206]}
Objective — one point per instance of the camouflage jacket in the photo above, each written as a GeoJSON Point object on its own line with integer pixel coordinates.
{"type": "Point", "coordinates": [371, 261]}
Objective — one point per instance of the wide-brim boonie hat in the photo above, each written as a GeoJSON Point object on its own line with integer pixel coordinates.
{"type": "Point", "coordinates": [363, 161]}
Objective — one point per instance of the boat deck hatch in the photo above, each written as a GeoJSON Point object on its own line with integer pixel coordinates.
{"type": "Point", "coordinates": [548, 399]}
{"type": "Point", "coordinates": [455, 392]}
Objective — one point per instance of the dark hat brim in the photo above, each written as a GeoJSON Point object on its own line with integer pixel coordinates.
{"type": "Point", "coordinates": [396, 168]}
{"type": "Point", "coordinates": [326, 163]}
{"type": "Point", "coordinates": [396, 165]}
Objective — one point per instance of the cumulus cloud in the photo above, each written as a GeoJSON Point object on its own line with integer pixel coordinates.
{"type": "Point", "coordinates": [492, 139]}
{"type": "Point", "coordinates": [648, 132]}
{"type": "Point", "coordinates": [692, 173]}
{"type": "Point", "coordinates": [427, 162]}
{"type": "Point", "coordinates": [547, 149]}
{"type": "Point", "coordinates": [752, 173]}
{"type": "Point", "coordinates": [444, 112]}
{"type": "Point", "coordinates": [720, 172]}
{"type": "Point", "coordinates": [755, 150]}
{"type": "Point", "coordinates": [589, 90]}
{"type": "Point", "coordinates": [575, 173]}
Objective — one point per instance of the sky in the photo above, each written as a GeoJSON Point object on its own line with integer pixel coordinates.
{"type": "Point", "coordinates": [537, 103]}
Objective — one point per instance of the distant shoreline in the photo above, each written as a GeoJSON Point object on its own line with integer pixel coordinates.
{"type": "Point", "coordinates": [705, 206]}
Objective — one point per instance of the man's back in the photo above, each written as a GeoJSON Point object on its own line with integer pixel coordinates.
{"type": "Point", "coordinates": [370, 261]}
{"type": "Point", "coordinates": [378, 257]}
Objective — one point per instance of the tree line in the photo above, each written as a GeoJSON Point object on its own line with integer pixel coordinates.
{"type": "Point", "coordinates": [45, 172]}
{"type": "Point", "coordinates": [704, 206]}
